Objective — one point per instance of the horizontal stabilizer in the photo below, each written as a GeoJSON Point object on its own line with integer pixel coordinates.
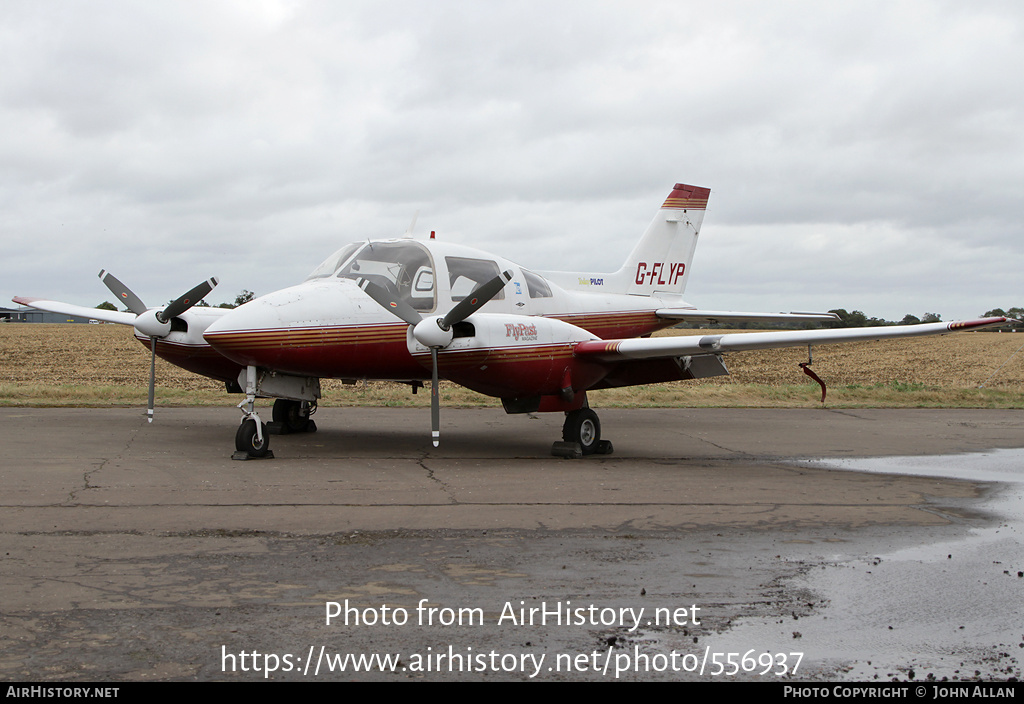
{"type": "Point", "coordinates": [725, 316]}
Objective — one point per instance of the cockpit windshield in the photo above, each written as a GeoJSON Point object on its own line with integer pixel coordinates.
{"type": "Point", "coordinates": [403, 268]}
{"type": "Point", "coordinates": [330, 266]}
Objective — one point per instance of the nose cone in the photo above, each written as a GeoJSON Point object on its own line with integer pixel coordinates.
{"type": "Point", "coordinates": [257, 332]}
{"type": "Point", "coordinates": [318, 328]}
{"type": "Point", "coordinates": [236, 335]}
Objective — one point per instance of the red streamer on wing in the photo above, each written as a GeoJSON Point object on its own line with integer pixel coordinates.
{"type": "Point", "coordinates": [810, 372]}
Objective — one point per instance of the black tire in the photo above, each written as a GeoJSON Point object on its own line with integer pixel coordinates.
{"type": "Point", "coordinates": [290, 415]}
{"type": "Point", "coordinates": [246, 439]}
{"type": "Point", "coordinates": [582, 427]}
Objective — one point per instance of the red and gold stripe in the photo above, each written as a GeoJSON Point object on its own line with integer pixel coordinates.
{"type": "Point", "coordinates": [685, 197]}
{"type": "Point", "coordinates": [310, 337]}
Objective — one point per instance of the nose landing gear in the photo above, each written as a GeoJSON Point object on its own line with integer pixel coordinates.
{"type": "Point", "coordinates": [251, 439]}
{"type": "Point", "coordinates": [295, 402]}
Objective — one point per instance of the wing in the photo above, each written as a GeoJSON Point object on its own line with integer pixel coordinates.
{"type": "Point", "coordinates": [665, 347]}
{"type": "Point", "coordinates": [717, 316]}
{"type": "Point", "coordinates": [109, 316]}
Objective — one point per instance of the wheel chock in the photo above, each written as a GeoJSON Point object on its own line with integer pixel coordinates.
{"type": "Point", "coordinates": [568, 450]}
{"type": "Point", "coordinates": [276, 428]}
{"type": "Point", "coordinates": [243, 455]}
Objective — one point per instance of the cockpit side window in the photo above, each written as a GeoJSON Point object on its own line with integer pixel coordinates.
{"type": "Point", "coordinates": [464, 275]}
{"type": "Point", "coordinates": [538, 286]}
{"type": "Point", "coordinates": [401, 268]}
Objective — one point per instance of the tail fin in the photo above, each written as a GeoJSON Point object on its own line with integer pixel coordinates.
{"type": "Point", "coordinates": [660, 262]}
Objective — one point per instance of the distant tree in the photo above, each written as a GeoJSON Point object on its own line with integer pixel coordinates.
{"type": "Point", "coordinates": [843, 315]}
{"type": "Point", "coordinates": [1015, 313]}
{"type": "Point", "coordinates": [202, 303]}
{"type": "Point", "coordinates": [244, 297]}
{"type": "Point", "coordinates": [910, 319]}
{"type": "Point", "coordinates": [856, 319]}
{"type": "Point", "coordinates": [106, 305]}
{"type": "Point", "coordinates": [931, 318]}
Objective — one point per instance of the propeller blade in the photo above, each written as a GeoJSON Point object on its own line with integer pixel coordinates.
{"type": "Point", "coordinates": [476, 300]}
{"type": "Point", "coordinates": [395, 305]}
{"type": "Point", "coordinates": [152, 378]}
{"type": "Point", "coordinates": [435, 402]}
{"type": "Point", "coordinates": [135, 305]}
{"type": "Point", "coordinates": [400, 309]}
{"type": "Point", "coordinates": [124, 294]}
{"type": "Point", "coordinates": [183, 303]}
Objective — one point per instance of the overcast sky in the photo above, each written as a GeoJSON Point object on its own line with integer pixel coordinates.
{"type": "Point", "coordinates": [862, 155]}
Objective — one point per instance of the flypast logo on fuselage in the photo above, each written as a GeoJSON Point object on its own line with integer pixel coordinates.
{"type": "Point", "coordinates": [520, 331]}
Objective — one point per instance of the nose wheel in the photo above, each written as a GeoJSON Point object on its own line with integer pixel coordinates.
{"type": "Point", "coordinates": [252, 440]}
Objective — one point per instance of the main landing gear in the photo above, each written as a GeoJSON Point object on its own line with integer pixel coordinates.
{"type": "Point", "coordinates": [581, 435]}
{"type": "Point", "coordinates": [293, 417]}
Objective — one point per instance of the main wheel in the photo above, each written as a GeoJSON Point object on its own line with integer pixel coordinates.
{"type": "Point", "coordinates": [247, 440]}
{"type": "Point", "coordinates": [582, 427]}
{"type": "Point", "coordinates": [293, 415]}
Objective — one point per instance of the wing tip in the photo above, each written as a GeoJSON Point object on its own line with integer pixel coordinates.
{"type": "Point", "coordinates": [980, 323]}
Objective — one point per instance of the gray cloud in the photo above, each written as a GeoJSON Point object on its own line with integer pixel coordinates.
{"type": "Point", "coordinates": [865, 156]}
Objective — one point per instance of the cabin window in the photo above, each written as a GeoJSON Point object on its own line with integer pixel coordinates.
{"type": "Point", "coordinates": [464, 275]}
{"type": "Point", "coordinates": [538, 286]}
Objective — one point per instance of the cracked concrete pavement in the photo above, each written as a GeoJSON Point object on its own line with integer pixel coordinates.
{"type": "Point", "coordinates": [136, 551]}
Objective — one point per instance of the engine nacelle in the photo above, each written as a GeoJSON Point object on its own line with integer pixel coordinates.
{"type": "Point", "coordinates": [508, 355]}
{"type": "Point", "coordinates": [149, 325]}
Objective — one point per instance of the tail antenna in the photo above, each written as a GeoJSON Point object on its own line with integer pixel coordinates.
{"type": "Point", "coordinates": [412, 225]}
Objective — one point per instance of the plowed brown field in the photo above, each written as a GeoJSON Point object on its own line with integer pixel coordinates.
{"type": "Point", "coordinates": [105, 364]}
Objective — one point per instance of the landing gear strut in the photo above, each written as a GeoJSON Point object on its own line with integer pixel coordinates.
{"type": "Point", "coordinates": [252, 441]}
{"type": "Point", "coordinates": [581, 435]}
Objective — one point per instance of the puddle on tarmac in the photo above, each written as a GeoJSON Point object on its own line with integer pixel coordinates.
{"type": "Point", "coordinates": [947, 609]}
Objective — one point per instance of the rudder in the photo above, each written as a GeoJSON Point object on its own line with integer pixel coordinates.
{"type": "Point", "coordinates": [660, 262]}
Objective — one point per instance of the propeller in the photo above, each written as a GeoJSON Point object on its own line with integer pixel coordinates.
{"type": "Point", "coordinates": [435, 331]}
{"type": "Point", "coordinates": [155, 323]}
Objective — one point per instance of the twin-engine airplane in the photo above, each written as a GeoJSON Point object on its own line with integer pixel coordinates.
{"type": "Point", "coordinates": [409, 310]}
